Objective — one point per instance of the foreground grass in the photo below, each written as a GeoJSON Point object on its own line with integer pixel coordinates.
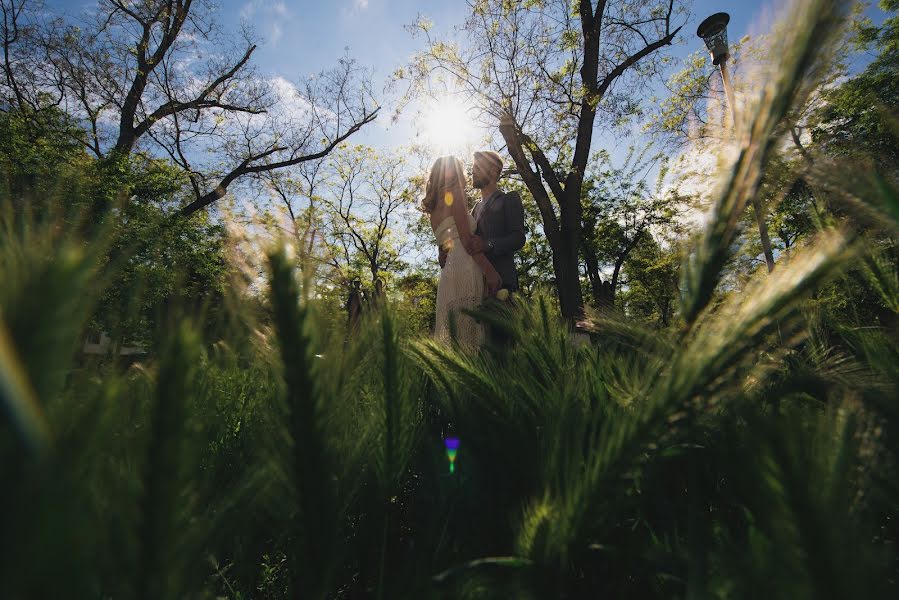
{"type": "Point", "coordinates": [750, 452]}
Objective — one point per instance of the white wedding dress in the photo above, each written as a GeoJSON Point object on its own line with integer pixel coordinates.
{"type": "Point", "coordinates": [461, 286]}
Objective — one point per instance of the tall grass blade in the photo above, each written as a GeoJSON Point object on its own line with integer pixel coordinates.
{"type": "Point", "coordinates": [314, 528]}
{"type": "Point", "coordinates": [163, 530]}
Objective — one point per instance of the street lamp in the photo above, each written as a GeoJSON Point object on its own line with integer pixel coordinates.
{"type": "Point", "coordinates": [713, 32]}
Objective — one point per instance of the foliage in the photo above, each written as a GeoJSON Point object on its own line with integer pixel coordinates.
{"type": "Point", "coordinates": [151, 259]}
{"type": "Point", "coordinates": [858, 119]}
{"type": "Point", "coordinates": [362, 219]}
{"type": "Point", "coordinates": [418, 307]}
{"type": "Point", "coordinates": [620, 211]}
{"type": "Point", "coordinates": [34, 146]}
{"type": "Point", "coordinates": [651, 272]}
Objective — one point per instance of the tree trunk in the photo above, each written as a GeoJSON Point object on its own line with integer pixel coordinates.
{"type": "Point", "coordinates": [565, 265]}
{"type": "Point", "coordinates": [603, 292]}
{"type": "Point", "coordinates": [566, 257]}
{"type": "Point", "coordinates": [593, 274]}
{"type": "Point", "coordinates": [563, 232]}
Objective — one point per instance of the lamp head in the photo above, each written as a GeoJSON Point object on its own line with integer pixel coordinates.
{"type": "Point", "coordinates": [713, 32]}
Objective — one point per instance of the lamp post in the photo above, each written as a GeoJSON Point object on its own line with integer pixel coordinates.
{"type": "Point", "coordinates": [713, 32]}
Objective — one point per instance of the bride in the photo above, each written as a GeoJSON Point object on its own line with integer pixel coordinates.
{"type": "Point", "coordinates": [463, 278]}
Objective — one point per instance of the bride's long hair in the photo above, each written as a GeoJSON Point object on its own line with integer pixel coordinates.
{"type": "Point", "coordinates": [439, 183]}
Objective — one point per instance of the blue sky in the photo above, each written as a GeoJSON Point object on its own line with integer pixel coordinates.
{"type": "Point", "coordinates": [301, 37]}
{"type": "Point", "coordinates": [298, 38]}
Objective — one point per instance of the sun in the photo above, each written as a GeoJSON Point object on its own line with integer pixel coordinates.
{"type": "Point", "coordinates": [448, 127]}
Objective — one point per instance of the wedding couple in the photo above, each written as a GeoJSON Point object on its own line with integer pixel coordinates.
{"type": "Point", "coordinates": [477, 249]}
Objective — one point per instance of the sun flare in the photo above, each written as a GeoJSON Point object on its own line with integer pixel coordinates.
{"type": "Point", "coordinates": [448, 127]}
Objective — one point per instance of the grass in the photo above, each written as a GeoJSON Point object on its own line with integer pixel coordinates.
{"type": "Point", "coordinates": [750, 452]}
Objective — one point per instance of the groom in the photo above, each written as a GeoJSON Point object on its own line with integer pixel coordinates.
{"type": "Point", "coordinates": [500, 219]}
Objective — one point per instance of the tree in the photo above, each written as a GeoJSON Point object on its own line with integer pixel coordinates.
{"type": "Point", "coordinates": [361, 213]}
{"type": "Point", "coordinates": [857, 124]}
{"type": "Point", "coordinates": [793, 209]}
{"type": "Point", "coordinates": [858, 118]}
{"type": "Point", "coordinates": [418, 308]}
{"type": "Point", "coordinates": [34, 149]}
{"type": "Point", "coordinates": [548, 70]}
{"type": "Point", "coordinates": [150, 262]}
{"type": "Point", "coordinates": [292, 188]}
{"type": "Point", "coordinates": [126, 65]}
{"type": "Point", "coordinates": [651, 272]}
{"type": "Point", "coordinates": [158, 264]}
{"type": "Point", "coordinates": [695, 112]}
{"type": "Point", "coordinates": [619, 211]}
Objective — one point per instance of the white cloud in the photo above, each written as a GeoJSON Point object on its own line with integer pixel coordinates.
{"type": "Point", "coordinates": [280, 9]}
{"type": "Point", "coordinates": [269, 15]}
{"type": "Point", "coordinates": [353, 8]}
{"type": "Point", "coordinates": [291, 103]}
{"type": "Point", "coordinates": [275, 33]}
{"type": "Point", "coordinates": [248, 10]}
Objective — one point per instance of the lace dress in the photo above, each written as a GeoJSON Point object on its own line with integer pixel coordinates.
{"type": "Point", "coordinates": [461, 286]}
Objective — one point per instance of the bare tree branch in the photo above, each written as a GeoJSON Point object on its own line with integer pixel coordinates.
{"type": "Point", "coordinates": [247, 166]}
{"type": "Point", "coordinates": [202, 100]}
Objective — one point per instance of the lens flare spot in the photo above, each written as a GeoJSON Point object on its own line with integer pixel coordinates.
{"type": "Point", "coordinates": [452, 449]}
{"type": "Point", "coordinates": [448, 198]}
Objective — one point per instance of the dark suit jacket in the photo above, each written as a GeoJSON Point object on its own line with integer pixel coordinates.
{"type": "Point", "coordinates": [501, 221]}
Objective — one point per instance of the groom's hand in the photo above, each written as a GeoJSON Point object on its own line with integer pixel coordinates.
{"type": "Point", "coordinates": [475, 245]}
{"type": "Point", "coordinates": [494, 282]}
